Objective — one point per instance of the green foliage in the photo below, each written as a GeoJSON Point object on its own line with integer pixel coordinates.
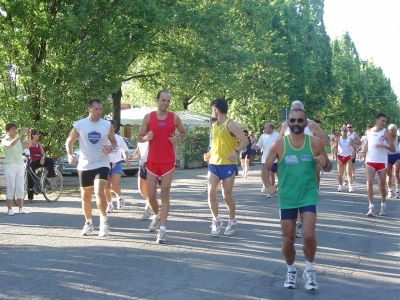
{"type": "Point", "coordinates": [196, 145]}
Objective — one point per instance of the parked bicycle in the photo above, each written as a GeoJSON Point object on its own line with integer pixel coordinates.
{"type": "Point", "coordinates": [50, 190]}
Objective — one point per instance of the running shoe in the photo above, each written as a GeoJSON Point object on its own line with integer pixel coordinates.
{"type": "Point", "coordinates": [161, 237]}
{"type": "Point", "coordinates": [110, 208]}
{"type": "Point", "coordinates": [339, 188]}
{"type": "Point", "coordinates": [397, 194]}
{"type": "Point", "coordinates": [155, 223]}
{"type": "Point", "coordinates": [269, 196]}
{"type": "Point", "coordinates": [146, 214]}
{"type": "Point", "coordinates": [245, 175]}
{"type": "Point", "coordinates": [230, 229]}
{"type": "Point", "coordinates": [291, 280]}
{"type": "Point", "coordinates": [21, 211]}
{"type": "Point", "coordinates": [104, 229]}
{"type": "Point", "coordinates": [216, 226]}
{"type": "Point", "coordinates": [351, 189]}
{"type": "Point", "coordinates": [299, 230]}
{"type": "Point", "coordinates": [390, 195]}
{"type": "Point", "coordinates": [121, 203]}
{"type": "Point", "coordinates": [383, 211]}
{"type": "Point", "coordinates": [263, 190]}
{"type": "Point", "coordinates": [10, 212]}
{"type": "Point", "coordinates": [87, 229]}
{"type": "Point", "coordinates": [311, 280]}
{"type": "Point", "coordinates": [371, 212]}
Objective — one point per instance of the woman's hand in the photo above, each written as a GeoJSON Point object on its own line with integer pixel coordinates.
{"type": "Point", "coordinates": [42, 160]}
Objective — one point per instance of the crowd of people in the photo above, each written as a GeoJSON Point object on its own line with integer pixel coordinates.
{"type": "Point", "coordinates": [296, 150]}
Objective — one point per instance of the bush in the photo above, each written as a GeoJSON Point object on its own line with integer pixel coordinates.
{"type": "Point", "coordinates": [196, 144]}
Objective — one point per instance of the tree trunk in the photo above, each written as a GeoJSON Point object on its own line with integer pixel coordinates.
{"type": "Point", "coordinates": [117, 108]}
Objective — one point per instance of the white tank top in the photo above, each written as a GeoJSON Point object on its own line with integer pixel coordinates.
{"type": "Point", "coordinates": [396, 145]}
{"type": "Point", "coordinates": [352, 136]}
{"type": "Point", "coordinates": [374, 154]}
{"type": "Point", "coordinates": [344, 147]}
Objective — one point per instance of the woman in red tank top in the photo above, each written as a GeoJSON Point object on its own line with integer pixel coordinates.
{"type": "Point", "coordinates": [38, 160]}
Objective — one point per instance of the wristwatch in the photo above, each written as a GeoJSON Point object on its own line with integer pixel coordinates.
{"type": "Point", "coordinates": [178, 137]}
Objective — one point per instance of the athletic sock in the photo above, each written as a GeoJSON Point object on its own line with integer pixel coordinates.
{"type": "Point", "coordinates": [383, 204]}
{"type": "Point", "coordinates": [89, 221]}
{"type": "Point", "coordinates": [291, 268]}
{"type": "Point", "coordinates": [309, 266]}
{"type": "Point", "coordinates": [103, 219]}
{"type": "Point", "coordinates": [216, 218]}
{"type": "Point", "coordinates": [163, 227]}
{"type": "Point", "coordinates": [371, 206]}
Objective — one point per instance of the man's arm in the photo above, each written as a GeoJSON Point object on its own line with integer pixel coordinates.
{"type": "Point", "coordinates": [318, 132]}
{"type": "Point", "coordinates": [112, 139]}
{"type": "Point", "coordinates": [357, 139]}
{"type": "Point", "coordinates": [243, 141]}
{"type": "Point", "coordinates": [272, 155]}
{"type": "Point", "coordinates": [142, 136]}
{"type": "Point", "coordinates": [283, 129]}
{"type": "Point", "coordinates": [320, 155]}
{"type": "Point", "coordinates": [391, 146]}
{"type": "Point", "coordinates": [73, 135]}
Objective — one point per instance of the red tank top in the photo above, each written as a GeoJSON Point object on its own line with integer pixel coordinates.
{"type": "Point", "coordinates": [35, 151]}
{"type": "Point", "coordinates": [161, 150]}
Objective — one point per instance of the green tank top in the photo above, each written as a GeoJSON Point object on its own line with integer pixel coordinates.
{"type": "Point", "coordinates": [297, 176]}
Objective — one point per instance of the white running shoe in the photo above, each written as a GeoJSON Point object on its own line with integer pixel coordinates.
{"type": "Point", "coordinates": [351, 189]}
{"type": "Point", "coordinates": [291, 280]}
{"type": "Point", "coordinates": [269, 196]}
{"type": "Point", "coordinates": [121, 203]}
{"type": "Point", "coordinates": [245, 175]}
{"type": "Point", "coordinates": [230, 229]}
{"type": "Point", "coordinates": [390, 195]}
{"type": "Point", "coordinates": [10, 212]}
{"type": "Point", "coordinates": [383, 211]}
{"type": "Point", "coordinates": [299, 230]}
{"type": "Point", "coordinates": [311, 280]}
{"type": "Point", "coordinates": [87, 229]}
{"type": "Point", "coordinates": [339, 188]}
{"type": "Point", "coordinates": [104, 229]}
{"type": "Point", "coordinates": [161, 237]}
{"type": "Point", "coordinates": [216, 226]}
{"type": "Point", "coordinates": [21, 211]}
{"type": "Point", "coordinates": [110, 208]}
{"type": "Point", "coordinates": [155, 223]}
{"type": "Point", "coordinates": [397, 194]}
{"type": "Point", "coordinates": [146, 214]}
{"type": "Point", "coordinates": [263, 190]}
{"type": "Point", "coordinates": [371, 212]}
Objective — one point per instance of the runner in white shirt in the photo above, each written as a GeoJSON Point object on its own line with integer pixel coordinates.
{"type": "Point", "coordinates": [354, 135]}
{"type": "Point", "coordinates": [346, 149]}
{"type": "Point", "coordinates": [393, 162]}
{"type": "Point", "coordinates": [115, 172]}
{"type": "Point", "coordinates": [375, 150]}
{"type": "Point", "coordinates": [265, 141]}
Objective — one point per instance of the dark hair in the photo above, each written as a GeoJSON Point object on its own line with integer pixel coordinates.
{"type": "Point", "coordinates": [380, 115]}
{"type": "Point", "coordinates": [10, 125]}
{"type": "Point", "coordinates": [160, 92]}
{"type": "Point", "coordinates": [94, 101]}
{"type": "Point", "coordinates": [317, 121]}
{"type": "Point", "coordinates": [245, 131]}
{"type": "Point", "coordinates": [221, 104]}
{"type": "Point", "coordinates": [34, 132]}
{"type": "Point", "coordinates": [213, 119]}
{"type": "Point", "coordinates": [298, 110]}
{"type": "Point", "coordinates": [113, 123]}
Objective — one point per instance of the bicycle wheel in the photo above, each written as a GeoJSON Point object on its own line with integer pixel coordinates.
{"type": "Point", "coordinates": [25, 189]}
{"type": "Point", "coordinates": [53, 192]}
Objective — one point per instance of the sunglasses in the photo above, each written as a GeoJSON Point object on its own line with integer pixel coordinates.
{"type": "Point", "coordinates": [344, 130]}
{"type": "Point", "coordinates": [299, 120]}
{"type": "Point", "coordinates": [349, 127]}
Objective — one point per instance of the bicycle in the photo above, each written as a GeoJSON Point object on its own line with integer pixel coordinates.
{"type": "Point", "coordinates": [50, 191]}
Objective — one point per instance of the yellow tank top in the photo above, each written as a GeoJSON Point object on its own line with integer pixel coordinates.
{"type": "Point", "coordinates": [223, 144]}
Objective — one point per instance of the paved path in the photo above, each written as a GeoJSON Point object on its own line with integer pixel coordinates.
{"type": "Point", "coordinates": [43, 256]}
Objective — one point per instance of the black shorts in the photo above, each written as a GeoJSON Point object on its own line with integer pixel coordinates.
{"type": "Point", "coordinates": [353, 160]}
{"type": "Point", "coordinates": [244, 154]}
{"type": "Point", "coordinates": [143, 171]}
{"type": "Point", "coordinates": [87, 177]}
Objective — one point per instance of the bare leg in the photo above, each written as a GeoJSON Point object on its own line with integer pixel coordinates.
{"type": "Point", "coordinates": [310, 243]}
{"type": "Point", "coordinates": [166, 181]}
{"type": "Point", "coordinates": [213, 183]}
{"type": "Point", "coordinates": [107, 190]}
{"type": "Point", "coordinates": [340, 168]}
{"type": "Point", "coordinates": [381, 184]}
{"type": "Point", "coordinates": [86, 194]}
{"type": "Point", "coordinates": [227, 186]}
{"type": "Point", "coordinates": [152, 182]}
{"type": "Point", "coordinates": [288, 228]}
{"type": "Point", "coordinates": [115, 179]}
{"type": "Point", "coordinates": [349, 169]}
{"type": "Point", "coordinates": [389, 176]}
{"type": "Point", "coordinates": [370, 174]}
{"type": "Point", "coordinates": [100, 196]}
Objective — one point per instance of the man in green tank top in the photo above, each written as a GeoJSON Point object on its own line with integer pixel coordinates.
{"type": "Point", "coordinates": [298, 155]}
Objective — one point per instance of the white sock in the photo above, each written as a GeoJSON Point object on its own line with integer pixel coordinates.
{"type": "Point", "coordinates": [309, 266]}
{"type": "Point", "coordinates": [103, 219]}
{"type": "Point", "coordinates": [231, 221]}
{"type": "Point", "coordinates": [163, 227]}
{"type": "Point", "coordinates": [291, 268]}
{"type": "Point", "coordinates": [109, 203]}
{"type": "Point", "coordinates": [158, 215]}
{"type": "Point", "coordinates": [371, 206]}
{"type": "Point", "coordinates": [383, 204]}
{"type": "Point", "coordinates": [216, 218]}
{"type": "Point", "coordinates": [89, 221]}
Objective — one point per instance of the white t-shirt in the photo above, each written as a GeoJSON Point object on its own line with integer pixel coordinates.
{"type": "Point", "coordinates": [122, 147]}
{"type": "Point", "coordinates": [374, 154]}
{"type": "Point", "coordinates": [144, 151]}
{"type": "Point", "coordinates": [92, 137]}
{"type": "Point", "coordinates": [265, 142]}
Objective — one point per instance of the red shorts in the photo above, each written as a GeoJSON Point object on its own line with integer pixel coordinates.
{"type": "Point", "coordinates": [344, 159]}
{"type": "Point", "coordinates": [377, 166]}
{"type": "Point", "coordinates": [159, 170]}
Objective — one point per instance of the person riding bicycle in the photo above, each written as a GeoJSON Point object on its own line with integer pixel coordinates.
{"type": "Point", "coordinates": [39, 160]}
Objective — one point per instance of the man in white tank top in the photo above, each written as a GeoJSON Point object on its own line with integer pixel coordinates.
{"type": "Point", "coordinates": [356, 138]}
{"type": "Point", "coordinates": [375, 150]}
{"type": "Point", "coordinates": [393, 162]}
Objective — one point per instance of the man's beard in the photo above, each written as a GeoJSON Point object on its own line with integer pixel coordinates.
{"type": "Point", "coordinates": [296, 129]}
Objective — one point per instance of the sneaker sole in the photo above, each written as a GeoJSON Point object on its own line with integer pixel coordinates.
{"type": "Point", "coordinates": [229, 233]}
{"type": "Point", "coordinates": [291, 287]}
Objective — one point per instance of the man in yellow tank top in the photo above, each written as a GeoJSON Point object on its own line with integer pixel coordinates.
{"type": "Point", "coordinates": [299, 159]}
{"type": "Point", "coordinates": [222, 167]}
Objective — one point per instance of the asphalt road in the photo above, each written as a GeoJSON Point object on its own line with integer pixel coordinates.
{"type": "Point", "coordinates": [43, 255]}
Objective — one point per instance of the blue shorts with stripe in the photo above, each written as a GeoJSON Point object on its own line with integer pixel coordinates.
{"type": "Point", "coordinates": [223, 171]}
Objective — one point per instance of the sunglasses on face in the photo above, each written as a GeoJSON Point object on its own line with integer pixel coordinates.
{"type": "Point", "coordinates": [344, 130]}
{"type": "Point", "coordinates": [299, 120]}
{"type": "Point", "coordinates": [349, 127]}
